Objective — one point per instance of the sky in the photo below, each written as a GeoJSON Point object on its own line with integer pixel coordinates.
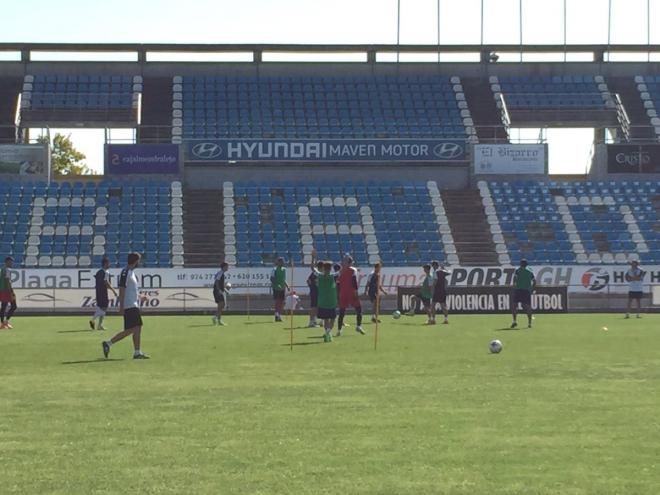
{"type": "Point", "coordinates": [326, 22]}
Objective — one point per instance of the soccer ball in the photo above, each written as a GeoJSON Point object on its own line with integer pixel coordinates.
{"type": "Point", "coordinates": [228, 285]}
{"type": "Point", "coordinates": [495, 346]}
{"type": "Point", "coordinates": [396, 315]}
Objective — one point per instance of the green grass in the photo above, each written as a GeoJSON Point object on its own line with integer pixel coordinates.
{"type": "Point", "coordinates": [566, 408]}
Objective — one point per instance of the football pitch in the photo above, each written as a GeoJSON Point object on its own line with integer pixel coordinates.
{"type": "Point", "coordinates": [567, 408]}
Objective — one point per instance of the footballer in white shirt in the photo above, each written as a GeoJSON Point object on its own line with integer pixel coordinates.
{"type": "Point", "coordinates": [129, 307]}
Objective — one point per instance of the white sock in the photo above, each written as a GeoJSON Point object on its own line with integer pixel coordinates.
{"type": "Point", "coordinates": [137, 352]}
{"type": "Point", "coordinates": [109, 342]}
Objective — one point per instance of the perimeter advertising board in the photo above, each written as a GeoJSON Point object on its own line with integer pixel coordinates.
{"type": "Point", "coordinates": [32, 160]}
{"type": "Point", "coordinates": [334, 150]}
{"type": "Point", "coordinates": [578, 278]}
{"type": "Point", "coordinates": [633, 158]}
{"type": "Point", "coordinates": [487, 300]}
{"type": "Point", "coordinates": [510, 159]}
{"type": "Point", "coordinates": [130, 159]}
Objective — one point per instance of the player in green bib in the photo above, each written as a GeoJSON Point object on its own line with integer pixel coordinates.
{"type": "Point", "coordinates": [327, 299]}
{"type": "Point", "coordinates": [524, 284]}
{"type": "Point", "coordinates": [424, 295]}
{"type": "Point", "coordinates": [279, 286]}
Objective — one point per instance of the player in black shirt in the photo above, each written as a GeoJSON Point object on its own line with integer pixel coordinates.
{"type": "Point", "coordinates": [317, 267]}
{"type": "Point", "coordinates": [440, 293]}
{"type": "Point", "coordinates": [220, 288]}
{"type": "Point", "coordinates": [372, 289]}
{"type": "Point", "coordinates": [102, 285]}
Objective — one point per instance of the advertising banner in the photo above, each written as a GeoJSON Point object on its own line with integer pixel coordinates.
{"type": "Point", "coordinates": [81, 299]}
{"type": "Point", "coordinates": [487, 299]}
{"type": "Point", "coordinates": [126, 159]}
{"type": "Point", "coordinates": [633, 158]}
{"type": "Point", "coordinates": [510, 159]}
{"type": "Point", "coordinates": [579, 278]}
{"type": "Point", "coordinates": [335, 150]}
{"type": "Point", "coordinates": [25, 159]}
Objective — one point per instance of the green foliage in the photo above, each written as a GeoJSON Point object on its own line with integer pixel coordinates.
{"type": "Point", "coordinates": [65, 158]}
{"type": "Point", "coordinates": [566, 408]}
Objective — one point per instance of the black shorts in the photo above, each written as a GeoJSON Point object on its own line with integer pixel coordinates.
{"type": "Point", "coordinates": [219, 297]}
{"type": "Point", "coordinates": [634, 294]}
{"type": "Point", "coordinates": [313, 298]}
{"type": "Point", "coordinates": [278, 294]}
{"type": "Point", "coordinates": [522, 296]}
{"type": "Point", "coordinates": [132, 318]}
{"type": "Point", "coordinates": [440, 297]}
{"type": "Point", "coordinates": [102, 301]}
{"type": "Point", "coordinates": [327, 313]}
{"type": "Point", "coordinates": [372, 298]}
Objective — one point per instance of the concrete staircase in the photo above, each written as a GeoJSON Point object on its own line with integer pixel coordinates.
{"type": "Point", "coordinates": [203, 234]}
{"type": "Point", "coordinates": [156, 114]}
{"type": "Point", "coordinates": [640, 124]}
{"type": "Point", "coordinates": [467, 220]}
{"type": "Point", "coordinates": [487, 117]}
{"type": "Point", "coordinates": [10, 87]}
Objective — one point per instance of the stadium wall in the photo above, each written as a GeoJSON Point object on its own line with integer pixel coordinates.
{"type": "Point", "coordinates": [212, 176]}
{"type": "Point", "coordinates": [463, 69]}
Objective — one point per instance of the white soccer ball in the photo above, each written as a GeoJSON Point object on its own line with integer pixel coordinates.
{"type": "Point", "coordinates": [396, 315]}
{"type": "Point", "coordinates": [495, 346]}
{"type": "Point", "coordinates": [228, 285]}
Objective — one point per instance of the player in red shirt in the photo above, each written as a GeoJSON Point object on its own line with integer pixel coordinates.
{"type": "Point", "coordinates": [348, 294]}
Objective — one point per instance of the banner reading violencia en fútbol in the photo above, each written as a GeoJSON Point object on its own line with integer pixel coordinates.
{"type": "Point", "coordinates": [334, 150]}
{"type": "Point", "coordinates": [578, 278]}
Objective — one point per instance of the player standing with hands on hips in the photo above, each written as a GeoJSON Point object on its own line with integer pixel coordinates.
{"type": "Point", "coordinates": [634, 277]}
{"type": "Point", "coordinates": [7, 295]}
{"type": "Point", "coordinates": [129, 306]}
{"type": "Point", "coordinates": [524, 284]}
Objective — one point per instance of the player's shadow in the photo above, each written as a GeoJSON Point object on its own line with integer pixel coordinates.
{"type": "Point", "coordinates": [201, 326]}
{"type": "Point", "coordinates": [296, 344]}
{"type": "Point", "coordinates": [90, 361]}
{"type": "Point", "coordinates": [76, 331]}
{"type": "Point", "coordinates": [507, 329]}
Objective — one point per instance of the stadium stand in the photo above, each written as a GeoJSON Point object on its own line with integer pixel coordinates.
{"type": "Point", "coordinates": [574, 222]}
{"type": "Point", "coordinates": [75, 224]}
{"type": "Point", "coordinates": [399, 223]}
{"type": "Point", "coordinates": [73, 98]}
{"type": "Point", "coordinates": [320, 107]}
{"type": "Point", "coordinates": [649, 92]}
{"type": "Point", "coordinates": [565, 99]}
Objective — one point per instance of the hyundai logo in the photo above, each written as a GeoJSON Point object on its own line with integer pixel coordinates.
{"type": "Point", "coordinates": [207, 151]}
{"type": "Point", "coordinates": [448, 151]}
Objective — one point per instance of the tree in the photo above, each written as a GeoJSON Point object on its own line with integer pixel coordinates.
{"type": "Point", "coordinates": [65, 159]}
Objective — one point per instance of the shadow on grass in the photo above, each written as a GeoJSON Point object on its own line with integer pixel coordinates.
{"type": "Point", "coordinates": [78, 331]}
{"type": "Point", "coordinates": [508, 329]}
{"type": "Point", "coordinates": [97, 360]}
{"type": "Point", "coordinates": [296, 344]}
{"type": "Point", "coordinates": [201, 326]}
